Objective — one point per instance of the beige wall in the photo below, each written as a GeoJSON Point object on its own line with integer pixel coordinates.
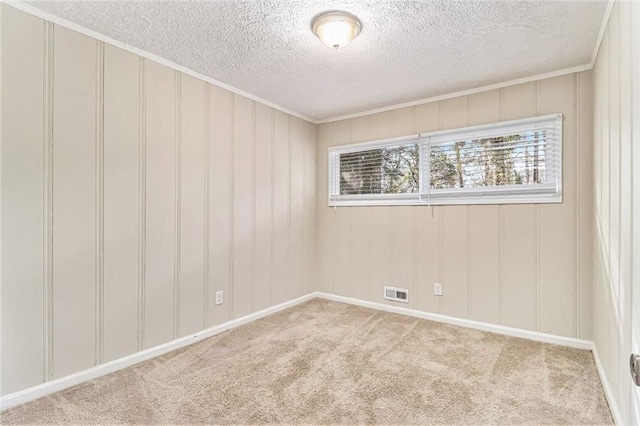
{"type": "Point", "coordinates": [524, 266]}
{"type": "Point", "coordinates": [617, 191]}
{"type": "Point", "coordinates": [131, 193]}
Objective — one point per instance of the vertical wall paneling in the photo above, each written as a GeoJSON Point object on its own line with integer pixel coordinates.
{"type": "Point", "coordinates": [427, 253]}
{"type": "Point", "coordinates": [263, 207]}
{"type": "Point", "coordinates": [156, 185]}
{"type": "Point", "coordinates": [48, 201]}
{"type": "Point", "coordinates": [633, 49]}
{"type": "Point", "coordinates": [142, 197]}
{"type": "Point", "coordinates": [192, 204]}
{"type": "Point", "coordinates": [615, 228]}
{"type": "Point", "coordinates": [612, 138]}
{"type": "Point", "coordinates": [577, 296]}
{"type": "Point", "coordinates": [232, 207]}
{"type": "Point", "coordinates": [361, 253]}
{"type": "Point", "coordinates": [310, 208]}
{"type": "Point", "coordinates": [625, 177]}
{"type": "Point", "coordinates": [99, 198]}
{"type": "Point", "coordinates": [296, 202]}
{"type": "Point", "coordinates": [605, 333]}
{"type": "Point", "coordinates": [121, 165]}
{"type": "Point", "coordinates": [242, 201]}
{"type": "Point", "coordinates": [220, 200]}
{"type": "Point", "coordinates": [289, 214]}
{"type": "Point", "coordinates": [519, 272]}
{"type": "Point", "coordinates": [455, 275]}
{"type": "Point", "coordinates": [455, 298]}
{"type": "Point", "coordinates": [381, 225]}
{"type": "Point", "coordinates": [557, 249]}
{"type": "Point", "coordinates": [485, 231]}
{"type": "Point", "coordinates": [484, 228]}
{"type": "Point", "coordinates": [614, 153]}
{"type": "Point", "coordinates": [519, 297]}
{"type": "Point", "coordinates": [585, 206]}
{"type": "Point", "coordinates": [253, 202]}
{"type": "Point", "coordinates": [381, 234]}
{"type": "Point", "coordinates": [74, 205]}
{"type": "Point", "coordinates": [177, 203]}
{"type": "Point", "coordinates": [207, 205]}
{"type": "Point", "coordinates": [496, 263]}
{"type": "Point", "coordinates": [610, 330]}
{"type": "Point", "coordinates": [324, 252]}
{"type": "Point", "coordinates": [402, 240]}
{"type": "Point", "coordinates": [426, 118]}
{"type": "Point", "coordinates": [342, 249]}
{"type": "Point", "coordinates": [167, 190]}
{"type": "Point", "coordinates": [605, 222]}
{"type": "Point", "coordinates": [536, 240]}
{"type": "Point", "coordinates": [273, 206]}
{"type": "Point", "coordinates": [160, 204]}
{"type": "Point", "coordinates": [361, 226]}
{"type": "Point", "coordinates": [402, 247]}
{"type": "Point", "coordinates": [25, 165]}
{"type": "Point", "coordinates": [281, 158]}
{"type": "Point", "coordinates": [584, 177]}
{"type": "Point", "coordinates": [625, 209]}
{"type": "Point", "coordinates": [426, 258]}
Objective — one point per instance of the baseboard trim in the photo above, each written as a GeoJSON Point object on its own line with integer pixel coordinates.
{"type": "Point", "coordinates": [35, 392]}
{"type": "Point", "coordinates": [608, 392]}
{"type": "Point", "coordinates": [492, 328]}
{"type": "Point", "coordinates": [498, 329]}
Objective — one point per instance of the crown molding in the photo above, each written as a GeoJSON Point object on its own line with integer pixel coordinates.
{"type": "Point", "coordinates": [603, 30]}
{"type": "Point", "coordinates": [579, 68]}
{"type": "Point", "coordinates": [467, 92]}
{"type": "Point", "coordinates": [20, 5]}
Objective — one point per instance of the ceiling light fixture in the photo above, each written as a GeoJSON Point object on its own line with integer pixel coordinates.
{"type": "Point", "coordinates": [336, 28]}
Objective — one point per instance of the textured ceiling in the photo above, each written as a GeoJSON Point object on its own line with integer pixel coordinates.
{"type": "Point", "coordinates": [408, 50]}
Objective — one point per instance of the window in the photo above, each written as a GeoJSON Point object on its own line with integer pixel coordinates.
{"type": "Point", "coordinates": [510, 162]}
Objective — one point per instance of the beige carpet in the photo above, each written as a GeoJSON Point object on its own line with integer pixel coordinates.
{"type": "Point", "coordinates": [327, 362]}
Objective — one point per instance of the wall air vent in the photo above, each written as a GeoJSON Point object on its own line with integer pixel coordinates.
{"type": "Point", "coordinates": [396, 294]}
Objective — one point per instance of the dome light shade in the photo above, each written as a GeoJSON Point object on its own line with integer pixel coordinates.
{"type": "Point", "coordinates": [336, 28]}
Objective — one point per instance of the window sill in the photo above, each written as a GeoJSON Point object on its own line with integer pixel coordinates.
{"type": "Point", "coordinates": [485, 200]}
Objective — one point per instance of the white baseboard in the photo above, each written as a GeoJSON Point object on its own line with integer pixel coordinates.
{"type": "Point", "coordinates": [29, 394]}
{"type": "Point", "coordinates": [493, 328]}
{"type": "Point", "coordinates": [608, 392]}
{"type": "Point", "coordinates": [56, 385]}
{"type": "Point", "coordinates": [498, 329]}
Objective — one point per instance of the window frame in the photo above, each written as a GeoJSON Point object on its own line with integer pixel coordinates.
{"type": "Point", "coordinates": [506, 194]}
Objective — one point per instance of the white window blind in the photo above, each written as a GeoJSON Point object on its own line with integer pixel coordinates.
{"type": "Point", "coordinates": [510, 162]}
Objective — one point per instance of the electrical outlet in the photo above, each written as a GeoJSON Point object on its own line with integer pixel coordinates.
{"type": "Point", "coordinates": [437, 289]}
{"type": "Point", "coordinates": [219, 298]}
